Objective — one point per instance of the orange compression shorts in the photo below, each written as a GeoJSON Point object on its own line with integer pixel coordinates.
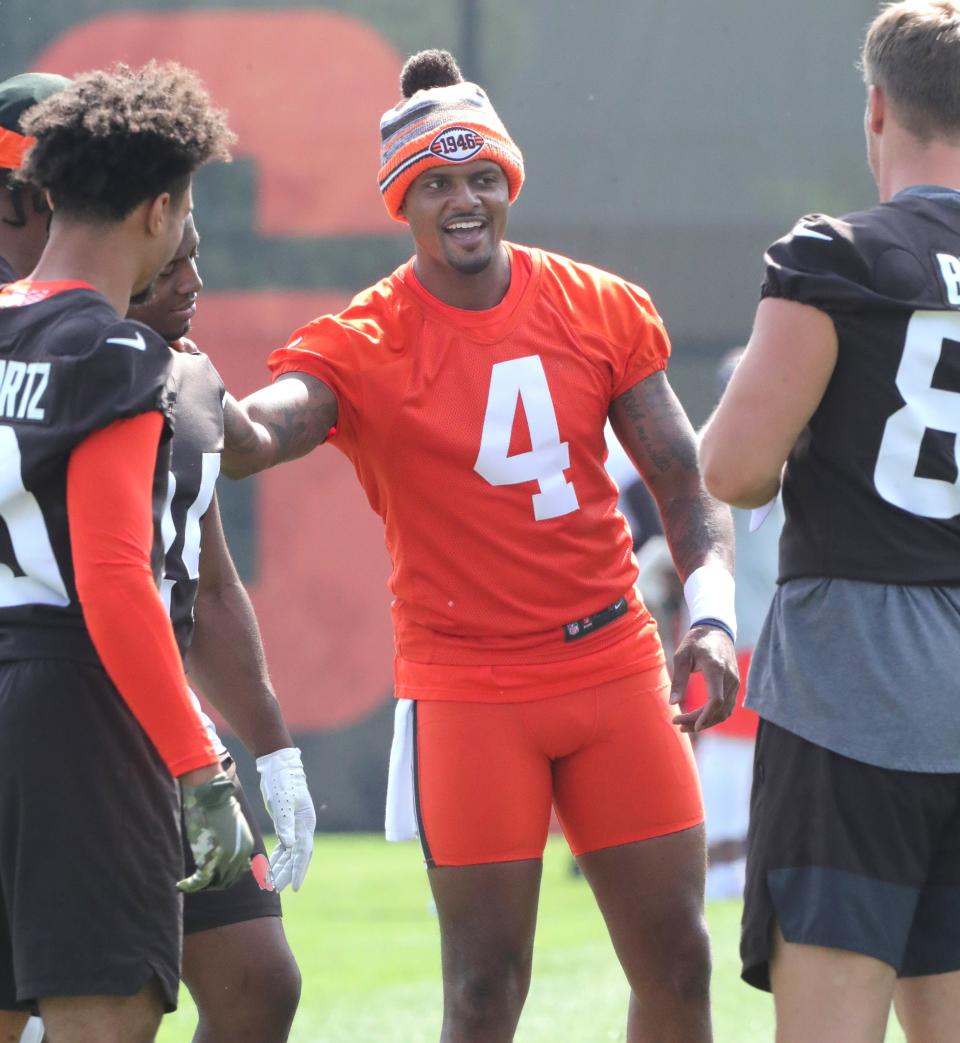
{"type": "Point", "coordinates": [607, 757]}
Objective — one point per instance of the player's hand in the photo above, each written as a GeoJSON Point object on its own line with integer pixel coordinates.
{"type": "Point", "coordinates": [218, 835]}
{"type": "Point", "coordinates": [283, 785]}
{"type": "Point", "coordinates": [710, 651]}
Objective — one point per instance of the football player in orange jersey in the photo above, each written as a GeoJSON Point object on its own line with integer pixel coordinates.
{"type": "Point", "coordinates": [470, 390]}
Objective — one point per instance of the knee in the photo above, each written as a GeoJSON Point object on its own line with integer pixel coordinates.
{"type": "Point", "coordinates": [491, 993]}
{"type": "Point", "coordinates": [671, 964]}
{"type": "Point", "coordinates": [688, 966]}
{"type": "Point", "coordinates": [278, 994]}
{"type": "Point", "coordinates": [257, 1000]}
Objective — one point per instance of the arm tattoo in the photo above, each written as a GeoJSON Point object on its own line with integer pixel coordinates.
{"type": "Point", "coordinates": [655, 431]}
{"type": "Point", "coordinates": [280, 422]}
{"type": "Point", "coordinates": [647, 415]}
{"type": "Point", "coordinates": [299, 422]}
{"type": "Point", "coordinates": [238, 431]}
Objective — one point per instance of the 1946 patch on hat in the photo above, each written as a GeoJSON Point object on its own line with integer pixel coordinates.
{"type": "Point", "coordinates": [457, 144]}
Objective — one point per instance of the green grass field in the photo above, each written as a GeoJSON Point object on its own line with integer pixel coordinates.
{"type": "Point", "coordinates": [367, 945]}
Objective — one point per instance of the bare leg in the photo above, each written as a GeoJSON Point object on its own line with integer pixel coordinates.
{"type": "Point", "coordinates": [727, 851]}
{"type": "Point", "coordinates": [244, 981]}
{"type": "Point", "coordinates": [103, 1019]}
{"type": "Point", "coordinates": [830, 995]}
{"type": "Point", "coordinates": [488, 916]}
{"type": "Point", "coordinates": [928, 1008]}
{"type": "Point", "coordinates": [651, 896]}
{"type": "Point", "coordinates": [11, 1025]}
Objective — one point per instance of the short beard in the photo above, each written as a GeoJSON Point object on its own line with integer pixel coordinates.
{"type": "Point", "coordinates": [471, 265]}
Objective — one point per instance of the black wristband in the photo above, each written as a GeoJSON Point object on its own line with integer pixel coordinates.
{"type": "Point", "coordinates": [710, 621]}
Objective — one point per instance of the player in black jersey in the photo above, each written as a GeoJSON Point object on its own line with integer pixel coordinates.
{"type": "Point", "coordinates": [850, 393]}
{"type": "Point", "coordinates": [95, 720]}
{"type": "Point", "coordinates": [24, 214]}
{"type": "Point", "coordinates": [234, 936]}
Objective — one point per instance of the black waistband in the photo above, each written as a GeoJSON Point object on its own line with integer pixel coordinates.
{"type": "Point", "coordinates": [581, 627]}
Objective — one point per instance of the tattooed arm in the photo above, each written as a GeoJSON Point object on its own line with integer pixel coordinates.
{"type": "Point", "coordinates": [277, 423]}
{"type": "Point", "coordinates": [655, 432]}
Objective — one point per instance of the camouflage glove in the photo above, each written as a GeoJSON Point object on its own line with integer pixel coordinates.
{"type": "Point", "coordinates": [218, 835]}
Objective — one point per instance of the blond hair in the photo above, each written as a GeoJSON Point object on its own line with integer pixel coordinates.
{"type": "Point", "coordinates": [912, 52]}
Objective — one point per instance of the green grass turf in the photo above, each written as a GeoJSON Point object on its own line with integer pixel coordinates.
{"type": "Point", "coordinates": [367, 945]}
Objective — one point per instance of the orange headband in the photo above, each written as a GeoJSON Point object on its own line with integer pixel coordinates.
{"type": "Point", "coordinates": [13, 147]}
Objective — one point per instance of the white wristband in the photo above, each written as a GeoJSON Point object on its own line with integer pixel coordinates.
{"type": "Point", "coordinates": [709, 593]}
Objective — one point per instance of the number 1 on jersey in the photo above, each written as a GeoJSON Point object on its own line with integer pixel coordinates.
{"type": "Point", "coordinates": [511, 382]}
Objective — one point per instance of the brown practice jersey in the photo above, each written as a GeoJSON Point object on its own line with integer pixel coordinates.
{"type": "Point", "coordinates": [68, 367]}
{"type": "Point", "coordinates": [872, 488]}
{"type": "Point", "coordinates": [194, 468]}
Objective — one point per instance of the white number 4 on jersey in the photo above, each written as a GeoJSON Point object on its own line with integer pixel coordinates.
{"type": "Point", "coordinates": [525, 380]}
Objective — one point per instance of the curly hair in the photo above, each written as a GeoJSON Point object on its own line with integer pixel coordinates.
{"type": "Point", "coordinates": [112, 139]}
{"type": "Point", "coordinates": [426, 69]}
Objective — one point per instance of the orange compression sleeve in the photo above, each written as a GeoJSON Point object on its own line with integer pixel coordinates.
{"type": "Point", "coordinates": [110, 513]}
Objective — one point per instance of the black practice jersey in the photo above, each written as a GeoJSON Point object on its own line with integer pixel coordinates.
{"type": "Point", "coordinates": [195, 465]}
{"type": "Point", "coordinates": [872, 488]}
{"type": "Point", "coordinates": [68, 367]}
{"type": "Point", "coordinates": [7, 274]}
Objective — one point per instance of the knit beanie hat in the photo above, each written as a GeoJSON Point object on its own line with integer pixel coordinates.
{"type": "Point", "coordinates": [18, 94]}
{"type": "Point", "coordinates": [441, 120]}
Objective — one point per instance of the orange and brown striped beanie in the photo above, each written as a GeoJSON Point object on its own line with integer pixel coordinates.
{"type": "Point", "coordinates": [440, 125]}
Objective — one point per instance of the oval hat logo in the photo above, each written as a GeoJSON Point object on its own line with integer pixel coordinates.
{"type": "Point", "coordinates": [457, 144]}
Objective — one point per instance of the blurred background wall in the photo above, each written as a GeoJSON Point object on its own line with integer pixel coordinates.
{"type": "Point", "coordinates": [668, 142]}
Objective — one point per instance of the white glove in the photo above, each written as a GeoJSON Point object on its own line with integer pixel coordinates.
{"type": "Point", "coordinates": [285, 794]}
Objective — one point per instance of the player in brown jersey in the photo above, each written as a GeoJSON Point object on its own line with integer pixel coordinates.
{"type": "Point", "coordinates": [234, 933]}
{"type": "Point", "coordinates": [849, 397]}
{"type": "Point", "coordinates": [232, 936]}
{"type": "Point", "coordinates": [96, 721]}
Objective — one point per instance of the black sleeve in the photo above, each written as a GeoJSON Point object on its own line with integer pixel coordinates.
{"type": "Point", "coordinates": [128, 371]}
{"type": "Point", "coordinates": [817, 263]}
{"type": "Point", "coordinates": [215, 377]}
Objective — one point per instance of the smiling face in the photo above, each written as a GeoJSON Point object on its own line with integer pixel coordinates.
{"type": "Point", "coordinates": [172, 302]}
{"type": "Point", "coordinates": [458, 215]}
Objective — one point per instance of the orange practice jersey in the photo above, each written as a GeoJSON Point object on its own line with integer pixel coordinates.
{"type": "Point", "coordinates": [478, 437]}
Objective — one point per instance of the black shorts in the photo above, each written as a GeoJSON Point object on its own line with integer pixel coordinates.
{"type": "Point", "coordinates": [850, 856]}
{"type": "Point", "coordinates": [90, 848]}
{"type": "Point", "coordinates": [247, 900]}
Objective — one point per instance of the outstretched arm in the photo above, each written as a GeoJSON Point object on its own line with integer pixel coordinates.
{"type": "Point", "coordinates": [655, 432]}
{"type": "Point", "coordinates": [280, 422]}
{"type": "Point", "coordinates": [228, 663]}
